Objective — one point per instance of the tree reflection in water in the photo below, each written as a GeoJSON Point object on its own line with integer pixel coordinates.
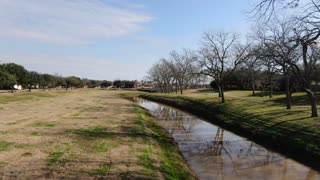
{"type": "Point", "coordinates": [214, 153]}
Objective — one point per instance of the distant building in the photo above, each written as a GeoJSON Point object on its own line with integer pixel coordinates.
{"type": "Point", "coordinates": [17, 87]}
{"type": "Point", "coordinates": [143, 84]}
{"type": "Point", "coordinates": [137, 84]}
{"type": "Point", "coordinates": [258, 83]}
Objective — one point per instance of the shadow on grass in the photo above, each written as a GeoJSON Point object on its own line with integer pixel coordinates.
{"type": "Point", "coordinates": [290, 120]}
{"type": "Point", "coordinates": [103, 170]}
{"type": "Point", "coordinates": [260, 94]}
{"type": "Point", "coordinates": [102, 132]}
{"type": "Point", "coordinates": [275, 114]}
{"type": "Point", "coordinates": [204, 91]}
{"type": "Point", "coordinates": [297, 99]}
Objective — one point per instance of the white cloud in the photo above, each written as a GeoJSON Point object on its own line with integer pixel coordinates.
{"type": "Point", "coordinates": [67, 21]}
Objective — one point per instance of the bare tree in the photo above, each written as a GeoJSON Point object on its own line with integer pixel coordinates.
{"type": "Point", "coordinates": [162, 75]}
{"type": "Point", "coordinates": [182, 67]}
{"type": "Point", "coordinates": [197, 80]}
{"type": "Point", "coordinates": [220, 52]}
{"type": "Point", "coordinates": [253, 65]}
{"type": "Point", "coordinates": [307, 40]}
{"type": "Point", "coordinates": [271, 69]}
{"type": "Point", "coordinates": [154, 76]}
{"type": "Point", "coordinates": [307, 32]}
{"type": "Point", "coordinates": [316, 79]}
{"type": "Point", "coordinates": [278, 43]}
{"type": "Point", "coordinates": [265, 10]}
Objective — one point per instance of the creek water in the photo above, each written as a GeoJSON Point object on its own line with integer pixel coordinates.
{"type": "Point", "coordinates": [215, 153]}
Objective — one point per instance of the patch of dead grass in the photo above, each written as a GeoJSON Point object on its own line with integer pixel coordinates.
{"type": "Point", "coordinates": [77, 134]}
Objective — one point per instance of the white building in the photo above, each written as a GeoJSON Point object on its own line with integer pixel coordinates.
{"type": "Point", "coordinates": [17, 87]}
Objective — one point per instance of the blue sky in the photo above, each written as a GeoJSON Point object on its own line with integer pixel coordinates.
{"type": "Point", "coordinates": [109, 39]}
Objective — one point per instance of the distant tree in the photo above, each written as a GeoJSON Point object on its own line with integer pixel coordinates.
{"type": "Point", "coordinates": [32, 80]}
{"type": "Point", "coordinates": [7, 80]}
{"type": "Point", "coordinates": [47, 81]}
{"type": "Point", "coordinates": [18, 71]}
{"type": "Point", "coordinates": [197, 80]}
{"type": "Point", "coordinates": [271, 69]}
{"type": "Point", "coordinates": [127, 84]}
{"type": "Point", "coordinates": [94, 83]}
{"type": "Point", "coordinates": [86, 82]}
{"type": "Point", "coordinates": [238, 79]}
{"type": "Point", "coordinates": [213, 85]}
{"type": "Point", "coordinates": [183, 67]}
{"type": "Point", "coordinates": [154, 75]}
{"type": "Point", "coordinates": [60, 81]}
{"type": "Point", "coordinates": [73, 82]}
{"type": "Point", "coordinates": [167, 72]}
{"type": "Point", "coordinates": [91, 83]}
{"type": "Point", "coordinates": [123, 84]}
{"type": "Point", "coordinates": [253, 65]}
{"type": "Point", "coordinates": [118, 83]}
{"type": "Point", "coordinates": [162, 73]}
{"type": "Point", "coordinates": [105, 84]}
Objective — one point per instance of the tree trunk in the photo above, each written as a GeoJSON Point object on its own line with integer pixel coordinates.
{"type": "Point", "coordinates": [271, 90]}
{"type": "Point", "coordinates": [219, 91]}
{"type": "Point", "coordinates": [313, 102]}
{"type": "Point", "coordinates": [166, 88]}
{"type": "Point", "coordinates": [288, 96]}
{"type": "Point", "coordinates": [253, 85]}
{"type": "Point", "coordinates": [176, 87]}
{"type": "Point", "coordinates": [222, 95]}
{"type": "Point", "coordinates": [181, 87]}
{"type": "Point", "coordinates": [307, 83]}
{"type": "Point", "coordinates": [262, 91]}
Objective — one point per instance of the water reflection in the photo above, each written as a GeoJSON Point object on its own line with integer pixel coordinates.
{"type": "Point", "coordinates": [214, 153]}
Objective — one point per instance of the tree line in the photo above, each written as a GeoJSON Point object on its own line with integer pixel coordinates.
{"type": "Point", "coordinates": [12, 74]}
{"type": "Point", "coordinates": [177, 72]}
{"type": "Point", "coordinates": [280, 52]}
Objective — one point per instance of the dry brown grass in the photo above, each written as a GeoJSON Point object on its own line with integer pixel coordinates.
{"type": "Point", "coordinates": [85, 134]}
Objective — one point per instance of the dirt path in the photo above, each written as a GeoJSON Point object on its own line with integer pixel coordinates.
{"type": "Point", "coordinates": [83, 134]}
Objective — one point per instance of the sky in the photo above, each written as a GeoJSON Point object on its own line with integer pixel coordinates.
{"type": "Point", "coordinates": [109, 39]}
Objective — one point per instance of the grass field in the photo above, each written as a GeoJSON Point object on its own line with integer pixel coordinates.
{"type": "Point", "coordinates": [262, 118]}
{"type": "Point", "coordinates": [83, 134]}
